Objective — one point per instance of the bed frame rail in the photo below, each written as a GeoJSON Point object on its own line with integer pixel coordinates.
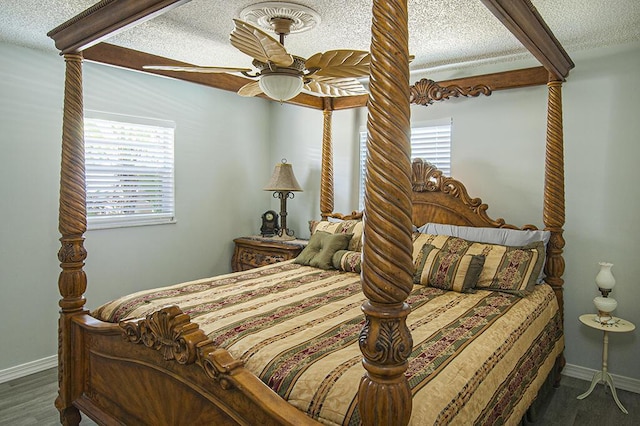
{"type": "Point", "coordinates": [167, 371]}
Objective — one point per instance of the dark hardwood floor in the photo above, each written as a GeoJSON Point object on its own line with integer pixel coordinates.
{"type": "Point", "coordinates": [562, 408]}
{"type": "Point", "coordinates": [29, 401]}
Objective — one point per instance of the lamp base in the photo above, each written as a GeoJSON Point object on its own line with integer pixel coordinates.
{"type": "Point", "coordinates": [604, 318]}
{"type": "Point", "coordinates": [605, 306]}
{"type": "Point", "coordinates": [284, 235]}
{"type": "Point", "coordinates": [282, 238]}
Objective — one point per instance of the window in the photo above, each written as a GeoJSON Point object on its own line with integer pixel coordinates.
{"type": "Point", "coordinates": [129, 170]}
{"type": "Point", "coordinates": [430, 141]}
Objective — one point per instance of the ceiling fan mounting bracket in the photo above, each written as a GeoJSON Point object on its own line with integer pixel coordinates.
{"type": "Point", "coordinates": [270, 16]}
{"type": "Point", "coordinates": [282, 26]}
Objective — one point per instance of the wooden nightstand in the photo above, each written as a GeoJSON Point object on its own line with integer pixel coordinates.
{"type": "Point", "coordinates": [255, 251]}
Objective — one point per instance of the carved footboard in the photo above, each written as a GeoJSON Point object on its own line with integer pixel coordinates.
{"type": "Point", "coordinates": [163, 369]}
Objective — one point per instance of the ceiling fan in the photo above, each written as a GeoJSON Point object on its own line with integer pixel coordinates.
{"type": "Point", "coordinates": [282, 76]}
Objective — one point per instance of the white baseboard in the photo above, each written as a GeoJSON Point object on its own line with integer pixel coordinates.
{"type": "Point", "coordinates": [584, 373]}
{"type": "Point", "coordinates": [28, 368]}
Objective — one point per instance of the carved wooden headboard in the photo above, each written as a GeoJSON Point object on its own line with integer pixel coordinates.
{"type": "Point", "coordinates": [440, 199]}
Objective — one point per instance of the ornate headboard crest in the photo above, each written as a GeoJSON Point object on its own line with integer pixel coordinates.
{"type": "Point", "coordinates": [450, 195]}
{"type": "Point", "coordinates": [426, 177]}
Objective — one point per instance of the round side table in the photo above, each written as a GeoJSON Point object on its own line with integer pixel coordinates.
{"type": "Point", "coordinates": [616, 325]}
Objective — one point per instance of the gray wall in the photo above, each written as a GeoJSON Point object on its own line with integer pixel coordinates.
{"type": "Point", "coordinates": [498, 152]}
{"type": "Point", "coordinates": [222, 141]}
{"type": "Point", "coordinates": [226, 147]}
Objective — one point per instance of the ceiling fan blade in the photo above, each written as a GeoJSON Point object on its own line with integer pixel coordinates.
{"type": "Point", "coordinates": [259, 45]}
{"type": "Point", "coordinates": [250, 89]}
{"type": "Point", "coordinates": [211, 70]}
{"type": "Point", "coordinates": [328, 86]}
{"type": "Point", "coordinates": [340, 63]}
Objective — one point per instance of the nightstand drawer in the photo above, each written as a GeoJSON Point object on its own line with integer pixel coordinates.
{"type": "Point", "coordinates": [253, 252]}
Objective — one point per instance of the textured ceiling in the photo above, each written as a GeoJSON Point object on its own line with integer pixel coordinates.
{"type": "Point", "coordinates": [442, 32]}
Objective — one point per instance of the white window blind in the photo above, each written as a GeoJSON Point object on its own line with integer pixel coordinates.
{"type": "Point", "coordinates": [129, 170]}
{"type": "Point", "coordinates": [429, 141]}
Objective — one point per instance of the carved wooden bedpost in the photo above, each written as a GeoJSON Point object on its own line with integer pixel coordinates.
{"type": "Point", "coordinates": [72, 224]}
{"type": "Point", "coordinates": [554, 205]}
{"type": "Point", "coordinates": [384, 397]}
{"type": "Point", "coordinates": [326, 182]}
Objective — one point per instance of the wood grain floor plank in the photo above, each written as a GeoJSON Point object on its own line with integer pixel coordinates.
{"type": "Point", "coordinates": [29, 401]}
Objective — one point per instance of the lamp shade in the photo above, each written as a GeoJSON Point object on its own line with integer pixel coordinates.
{"type": "Point", "coordinates": [280, 86]}
{"type": "Point", "coordinates": [283, 179]}
{"type": "Point", "coordinates": [605, 279]}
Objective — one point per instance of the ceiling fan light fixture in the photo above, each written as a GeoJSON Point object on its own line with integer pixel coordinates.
{"type": "Point", "coordinates": [281, 86]}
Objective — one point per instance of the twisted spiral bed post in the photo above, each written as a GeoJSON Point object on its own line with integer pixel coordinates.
{"type": "Point", "coordinates": [554, 202]}
{"type": "Point", "coordinates": [72, 224]}
{"type": "Point", "coordinates": [384, 397]}
{"type": "Point", "coordinates": [326, 181]}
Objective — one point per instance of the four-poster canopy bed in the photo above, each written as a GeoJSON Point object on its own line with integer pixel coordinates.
{"type": "Point", "coordinates": [168, 370]}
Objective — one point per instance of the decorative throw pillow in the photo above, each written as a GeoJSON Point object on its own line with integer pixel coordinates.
{"type": "Point", "coordinates": [347, 260]}
{"type": "Point", "coordinates": [508, 269]}
{"type": "Point", "coordinates": [340, 227]}
{"type": "Point", "coordinates": [420, 240]}
{"type": "Point", "coordinates": [447, 270]}
{"type": "Point", "coordinates": [502, 236]}
{"type": "Point", "coordinates": [321, 248]}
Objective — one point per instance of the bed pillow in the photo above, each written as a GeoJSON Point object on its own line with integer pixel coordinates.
{"type": "Point", "coordinates": [447, 270]}
{"type": "Point", "coordinates": [321, 248]}
{"type": "Point", "coordinates": [502, 236]}
{"type": "Point", "coordinates": [420, 239]}
{"type": "Point", "coordinates": [347, 260]}
{"type": "Point", "coordinates": [508, 269]}
{"type": "Point", "coordinates": [351, 226]}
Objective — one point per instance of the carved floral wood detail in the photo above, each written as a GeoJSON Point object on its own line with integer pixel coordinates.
{"type": "Point", "coordinates": [427, 91]}
{"type": "Point", "coordinates": [171, 332]}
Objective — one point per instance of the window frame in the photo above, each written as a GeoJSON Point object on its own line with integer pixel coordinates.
{"type": "Point", "coordinates": [104, 169]}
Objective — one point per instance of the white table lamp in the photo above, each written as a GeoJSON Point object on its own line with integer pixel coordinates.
{"type": "Point", "coordinates": [605, 282]}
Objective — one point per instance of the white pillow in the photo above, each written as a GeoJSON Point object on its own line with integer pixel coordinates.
{"type": "Point", "coordinates": [502, 236]}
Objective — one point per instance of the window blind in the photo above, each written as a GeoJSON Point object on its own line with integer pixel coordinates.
{"type": "Point", "coordinates": [429, 141]}
{"type": "Point", "coordinates": [129, 171]}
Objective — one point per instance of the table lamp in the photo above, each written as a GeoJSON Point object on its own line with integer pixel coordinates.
{"type": "Point", "coordinates": [283, 182]}
{"type": "Point", "coordinates": [605, 304]}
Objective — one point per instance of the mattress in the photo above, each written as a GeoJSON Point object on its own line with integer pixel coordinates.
{"type": "Point", "coordinates": [478, 358]}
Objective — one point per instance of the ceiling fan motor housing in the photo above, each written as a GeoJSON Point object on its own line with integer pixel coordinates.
{"type": "Point", "coordinates": [296, 68]}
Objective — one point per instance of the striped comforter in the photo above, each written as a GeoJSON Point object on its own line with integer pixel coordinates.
{"type": "Point", "coordinates": [477, 359]}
